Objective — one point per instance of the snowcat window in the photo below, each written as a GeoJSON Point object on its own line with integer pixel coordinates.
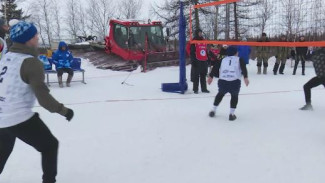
{"type": "Point", "coordinates": [137, 36]}
{"type": "Point", "coordinates": [121, 35]}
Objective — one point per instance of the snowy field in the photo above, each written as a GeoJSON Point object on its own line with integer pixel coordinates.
{"type": "Point", "coordinates": [137, 134]}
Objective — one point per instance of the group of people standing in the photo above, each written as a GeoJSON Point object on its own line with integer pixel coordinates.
{"type": "Point", "coordinates": [281, 55]}
{"type": "Point", "coordinates": [229, 65]}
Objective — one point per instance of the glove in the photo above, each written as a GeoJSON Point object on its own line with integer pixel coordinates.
{"type": "Point", "coordinates": [69, 115]}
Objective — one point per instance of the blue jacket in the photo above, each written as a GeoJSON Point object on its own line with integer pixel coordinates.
{"type": "Point", "coordinates": [244, 52]}
{"type": "Point", "coordinates": [62, 58]}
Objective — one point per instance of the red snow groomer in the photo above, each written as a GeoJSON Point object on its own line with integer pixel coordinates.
{"type": "Point", "coordinates": [139, 41]}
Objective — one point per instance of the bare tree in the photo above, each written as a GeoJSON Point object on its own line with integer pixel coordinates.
{"type": "Point", "coordinates": [43, 17]}
{"type": "Point", "coordinates": [36, 19]}
{"type": "Point", "coordinates": [130, 9]}
{"type": "Point", "coordinates": [100, 12]}
{"type": "Point", "coordinates": [168, 12]}
{"type": "Point", "coordinates": [57, 19]}
{"type": "Point", "coordinates": [72, 17]}
{"type": "Point", "coordinates": [293, 16]}
{"type": "Point", "coordinates": [267, 10]}
{"type": "Point", "coordinates": [83, 21]}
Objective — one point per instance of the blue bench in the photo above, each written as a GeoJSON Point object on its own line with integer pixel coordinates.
{"type": "Point", "coordinates": [75, 65]}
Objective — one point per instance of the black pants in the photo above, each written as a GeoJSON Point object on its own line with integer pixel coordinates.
{"type": "Point", "coordinates": [199, 73]}
{"type": "Point", "coordinates": [303, 61]}
{"type": "Point", "coordinates": [314, 82]}
{"type": "Point", "coordinates": [233, 100]}
{"type": "Point", "coordinates": [232, 87]}
{"type": "Point", "coordinates": [66, 70]}
{"type": "Point", "coordinates": [35, 133]}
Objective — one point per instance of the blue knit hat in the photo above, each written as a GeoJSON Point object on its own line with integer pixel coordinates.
{"type": "Point", "coordinates": [22, 32]}
{"type": "Point", "coordinates": [231, 50]}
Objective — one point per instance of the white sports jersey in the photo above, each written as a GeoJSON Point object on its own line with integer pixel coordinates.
{"type": "Point", "coordinates": [230, 69]}
{"type": "Point", "coordinates": [16, 97]}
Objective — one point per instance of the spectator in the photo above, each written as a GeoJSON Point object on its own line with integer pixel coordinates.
{"type": "Point", "coordinates": [199, 58]}
{"type": "Point", "coordinates": [62, 58]}
{"type": "Point", "coordinates": [262, 55]}
{"type": "Point", "coordinates": [301, 56]}
{"type": "Point", "coordinates": [282, 53]}
{"type": "Point", "coordinates": [244, 51]}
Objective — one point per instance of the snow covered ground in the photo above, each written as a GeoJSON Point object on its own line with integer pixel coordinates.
{"type": "Point", "coordinates": [137, 134]}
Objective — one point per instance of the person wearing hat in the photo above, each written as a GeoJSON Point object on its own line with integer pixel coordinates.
{"type": "Point", "coordinates": [63, 58]}
{"type": "Point", "coordinates": [199, 58]}
{"type": "Point", "coordinates": [262, 55]}
{"type": "Point", "coordinates": [229, 72]}
{"type": "Point", "coordinates": [21, 84]}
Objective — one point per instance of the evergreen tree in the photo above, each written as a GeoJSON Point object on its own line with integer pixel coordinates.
{"type": "Point", "coordinates": [9, 11]}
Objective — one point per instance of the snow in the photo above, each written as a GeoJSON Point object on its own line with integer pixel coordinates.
{"type": "Point", "coordinates": [134, 133]}
{"type": "Point", "coordinates": [83, 43]}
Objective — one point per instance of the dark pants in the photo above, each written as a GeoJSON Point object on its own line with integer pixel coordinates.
{"type": "Point", "coordinates": [232, 87]}
{"type": "Point", "coordinates": [303, 61]}
{"type": "Point", "coordinates": [35, 133]}
{"type": "Point", "coordinates": [199, 73]}
{"type": "Point", "coordinates": [314, 82]}
{"type": "Point", "coordinates": [65, 70]}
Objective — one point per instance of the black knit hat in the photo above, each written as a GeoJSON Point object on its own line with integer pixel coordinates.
{"type": "Point", "coordinates": [232, 50]}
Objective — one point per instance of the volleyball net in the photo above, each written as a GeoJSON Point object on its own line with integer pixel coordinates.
{"type": "Point", "coordinates": [232, 21]}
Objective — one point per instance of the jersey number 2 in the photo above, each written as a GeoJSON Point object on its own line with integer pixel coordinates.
{"type": "Point", "coordinates": [3, 72]}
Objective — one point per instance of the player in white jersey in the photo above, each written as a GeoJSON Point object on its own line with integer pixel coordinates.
{"type": "Point", "coordinates": [21, 83]}
{"type": "Point", "coordinates": [229, 72]}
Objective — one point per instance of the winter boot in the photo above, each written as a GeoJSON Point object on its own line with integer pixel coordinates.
{"type": "Point", "coordinates": [275, 69]}
{"type": "Point", "coordinates": [212, 113]}
{"type": "Point", "coordinates": [258, 70]}
{"type": "Point", "coordinates": [265, 70]}
{"type": "Point", "coordinates": [69, 80]}
{"type": "Point", "coordinates": [282, 68]}
{"type": "Point", "coordinates": [60, 81]}
{"type": "Point", "coordinates": [307, 107]}
{"type": "Point", "coordinates": [232, 117]}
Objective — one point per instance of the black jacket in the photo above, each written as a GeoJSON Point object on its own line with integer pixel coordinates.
{"type": "Point", "coordinates": [319, 62]}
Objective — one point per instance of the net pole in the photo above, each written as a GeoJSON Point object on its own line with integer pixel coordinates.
{"type": "Point", "coordinates": [191, 24]}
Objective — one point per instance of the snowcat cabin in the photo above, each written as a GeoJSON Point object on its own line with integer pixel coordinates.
{"type": "Point", "coordinates": [127, 38]}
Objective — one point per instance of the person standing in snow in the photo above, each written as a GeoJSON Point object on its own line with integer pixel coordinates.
{"type": "Point", "coordinates": [21, 83]}
{"type": "Point", "coordinates": [282, 53]}
{"type": "Point", "coordinates": [62, 58]}
{"type": "Point", "coordinates": [199, 58]}
{"type": "Point", "coordinates": [262, 55]}
{"type": "Point", "coordinates": [319, 64]}
{"type": "Point", "coordinates": [301, 56]}
{"type": "Point", "coordinates": [229, 72]}
{"type": "Point", "coordinates": [244, 51]}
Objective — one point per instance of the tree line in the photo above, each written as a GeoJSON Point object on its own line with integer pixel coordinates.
{"type": "Point", "coordinates": [58, 19]}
